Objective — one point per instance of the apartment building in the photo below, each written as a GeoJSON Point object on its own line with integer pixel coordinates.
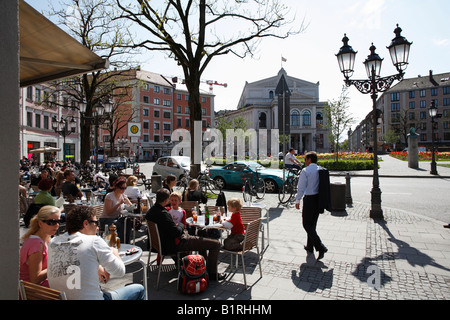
{"type": "Point", "coordinates": [160, 105]}
{"type": "Point", "coordinates": [405, 106]}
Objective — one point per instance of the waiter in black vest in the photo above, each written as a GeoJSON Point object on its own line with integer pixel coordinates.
{"type": "Point", "coordinates": [308, 188]}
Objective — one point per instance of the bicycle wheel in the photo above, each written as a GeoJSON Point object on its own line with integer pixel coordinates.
{"type": "Point", "coordinates": [285, 192]}
{"type": "Point", "coordinates": [246, 192]}
{"type": "Point", "coordinates": [213, 187]}
{"type": "Point", "coordinates": [260, 188]}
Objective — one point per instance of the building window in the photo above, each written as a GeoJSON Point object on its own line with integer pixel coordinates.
{"type": "Point", "coordinates": [156, 125]}
{"type": "Point", "coordinates": [178, 122]}
{"type": "Point", "coordinates": [145, 99]}
{"type": "Point", "coordinates": [145, 125]}
{"type": "Point", "coordinates": [156, 113]}
{"type": "Point", "coordinates": [30, 93]}
{"type": "Point", "coordinates": [29, 119]}
{"type": "Point", "coordinates": [412, 104]}
{"type": "Point", "coordinates": [46, 122]}
{"type": "Point", "coordinates": [423, 104]}
{"type": "Point", "coordinates": [156, 138]}
{"type": "Point", "coordinates": [423, 93]}
{"type": "Point", "coordinates": [166, 126]}
{"type": "Point", "coordinates": [319, 119]}
{"type": "Point", "coordinates": [446, 102]}
{"type": "Point", "coordinates": [145, 112]}
{"type": "Point", "coordinates": [203, 99]}
{"type": "Point", "coordinates": [434, 91]}
{"type": "Point", "coordinates": [166, 91]}
{"type": "Point", "coordinates": [156, 101]}
{"type": "Point", "coordinates": [204, 111]}
{"type": "Point", "coordinates": [178, 96]}
{"type": "Point", "coordinates": [423, 115]}
{"type": "Point", "coordinates": [188, 123]}
{"type": "Point", "coordinates": [395, 107]}
{"type": "Point", "coordinates": [37, 95]}
{"type": "Point", "coordinates": [395, 96]}
{"type": "Point", "coordinates": [167, 103]}
{"type": "Point", "coordinates": [295, 118]}
{"type": "Point", "coordinates": [156, 89]}
{"type": "Point", "coordinates": [271, 95]}
{"type": "Point", "coordinates": [423, 137]}
{"type": "Point", "coordinates": [178, 109]}
{"type": "Point", "coordinates": [37, 120]}
{"type": "Point", "coordinates": [263, 120]}
{"type": "Point", "coordinates": [146, 138]}
{"type": "Point", "coordinates": [446, 90]}
{"type": "Point", "coordinates": [412, 94]}
{"type": "Point", "coordinates": [306, 116]}
{"type": "Point", "coordinates": [166, 115]}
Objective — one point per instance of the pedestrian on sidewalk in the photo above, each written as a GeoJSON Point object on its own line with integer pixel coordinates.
{"type": "Point", "coordinates": [308, 189]}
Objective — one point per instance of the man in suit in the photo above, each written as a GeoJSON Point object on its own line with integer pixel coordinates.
{"type": "Point", "coordinates": [308, 189]}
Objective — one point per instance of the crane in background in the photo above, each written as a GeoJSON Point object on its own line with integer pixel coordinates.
{"type": "Point", "coordinates": [211, 83]}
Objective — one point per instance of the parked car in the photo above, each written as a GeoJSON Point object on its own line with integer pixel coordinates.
{"type": "Point", "coordinates": [232, 174]}
{"type": "Point", "coordinates": [176, 165]}
{"type": "Point", "coordinates": [118, 162]}
{"type": "Point", "coordinates": [420, 149]}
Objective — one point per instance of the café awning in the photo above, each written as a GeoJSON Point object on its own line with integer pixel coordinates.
{"type": "Point", "coordinates": [48, 53]}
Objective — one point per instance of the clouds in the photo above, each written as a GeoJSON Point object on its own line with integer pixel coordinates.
{"type": "Point", "coordinates": [366, 14]}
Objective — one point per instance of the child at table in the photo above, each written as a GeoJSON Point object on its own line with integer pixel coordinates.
{"type": "Point", "coordinates": [178, 214]}
{"type": "Point", "coordinates": [234, 241]}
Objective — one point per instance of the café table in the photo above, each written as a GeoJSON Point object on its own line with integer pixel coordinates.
{"type": "Point", "coordinates": [127, 214]}
{"type": "Point", "coordinates": [132, 258]}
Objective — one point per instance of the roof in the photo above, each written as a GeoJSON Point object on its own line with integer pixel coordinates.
{"type": "Point", "coordinates": [423, 82]}
{"type": "Point", "coordinates": [47, 53]}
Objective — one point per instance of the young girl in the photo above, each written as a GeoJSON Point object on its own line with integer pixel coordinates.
{"type": "Point", "coordinates": [178, 214]}
{"type": "Point", "coordinates": [234, 241]}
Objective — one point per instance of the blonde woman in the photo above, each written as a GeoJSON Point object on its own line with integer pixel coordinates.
{"type": "Point", "coordinates": [132, 191]}
{"type": "Point", "coordinates": [33, 254]}
{"type": "Point", "coordinates": [192, 193]}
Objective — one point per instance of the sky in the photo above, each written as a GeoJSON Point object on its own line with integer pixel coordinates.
{"type": "Point", "coordinates": [310, 55]}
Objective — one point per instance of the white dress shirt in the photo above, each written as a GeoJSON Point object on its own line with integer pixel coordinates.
{"type": "Point", "coordinates": [308, 182]}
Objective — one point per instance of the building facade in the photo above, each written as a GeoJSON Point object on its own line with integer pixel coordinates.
{"type": "Point", "coordinates": [405, 106]}
{"type": "Point", "coordinates": [160, 106]}
{"type": "Point", "coordinates": [37, 119]}
{"type": "Point", "coordinates": [258, 106]}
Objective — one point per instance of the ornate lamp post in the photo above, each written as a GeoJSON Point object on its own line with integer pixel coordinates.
{"type": "Point", "coordinates": [122, 142]}
{"type": "Point", "coordinates": [99, 115]}
{"type": "Point", "coordinates": [433, 114]}
{"type": "Point", "coordinates": [61, 127]}
{"type": "Point", "coordinates": [399, 51]}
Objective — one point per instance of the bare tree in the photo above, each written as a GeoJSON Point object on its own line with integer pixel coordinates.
{"type": "Point", "coordinates": [338, 118]}
{"type": "Point", "coordinates": [195, 32]}
{"type": "Point", "coordinates": [93, 23]}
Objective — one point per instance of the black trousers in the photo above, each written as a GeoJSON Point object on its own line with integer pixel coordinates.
{"type": "Point", "coordinates": [310, 215]}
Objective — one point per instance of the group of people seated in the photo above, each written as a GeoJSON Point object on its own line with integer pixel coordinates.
{"type": "Point", "coordinates": [77, 261]}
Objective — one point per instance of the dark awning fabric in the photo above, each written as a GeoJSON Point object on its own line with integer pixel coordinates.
{"type": "Point", "coordinates": [48, 53]}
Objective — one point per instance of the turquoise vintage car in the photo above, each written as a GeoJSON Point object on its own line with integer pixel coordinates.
{"type": "Point", "coordinates": [234, 173]}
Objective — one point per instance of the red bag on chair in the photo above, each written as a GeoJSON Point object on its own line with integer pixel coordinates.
{"type": "Point", "coordinates": [193, 277]}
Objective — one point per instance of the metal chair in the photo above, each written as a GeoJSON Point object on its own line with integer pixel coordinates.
{"type": "Point", "coordinates": [249, 214]}
{"type": "Point", "coordinates": [155, 244]}
{"type": "Point", "coordinates": [31, 291]}
{"type": "Point", "coordinates": [250, 242]}
{"type": "Point", "coordinates": [188, 206]}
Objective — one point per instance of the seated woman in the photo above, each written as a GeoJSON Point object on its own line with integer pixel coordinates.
{"type": "Point", "coordinates": [44, 197]}
{"type": "Point", "coordinates": [192, 193]}
{"type": "Point", "coordinates": [170, 182]}
{"type": "Point", "coordinates": [33, 253]}
{"type": "Point", "coordinates": [114, 204]}
{"type": "Point", "coordinates": [132, 191]}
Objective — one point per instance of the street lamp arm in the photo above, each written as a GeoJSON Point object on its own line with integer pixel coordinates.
{"type": "Point", "coordinates": [370, 86]}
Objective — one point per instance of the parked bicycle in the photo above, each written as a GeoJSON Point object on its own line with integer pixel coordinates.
{"type": "Point", "coordinates": [206, 183]}
{"type": "Point", "coordinates": [254, 186]}
{"type": "Point", "coordinates": [288, 190]}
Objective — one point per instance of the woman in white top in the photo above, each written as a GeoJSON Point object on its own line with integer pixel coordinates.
{"type": "Point", "coordinates": [132, 191]}
{"type": "Point", "coordinates": [113, 207]}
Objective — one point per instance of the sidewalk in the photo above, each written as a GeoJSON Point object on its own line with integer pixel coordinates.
{"type": "Point", "coordinates": [392, 167]}
{"type": "Point", "coordinates": [404, 257]}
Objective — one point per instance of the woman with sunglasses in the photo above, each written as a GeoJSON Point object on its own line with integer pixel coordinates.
{"type": "Point", "coordinates": [33, 254]}
{"type": "Point", "coordinates": [113, 207]}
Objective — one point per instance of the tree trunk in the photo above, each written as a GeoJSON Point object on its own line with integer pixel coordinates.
{"type": "Point", "coordinates": [195, 109]}
{"type": "Point", "coordinates": [85, 140]}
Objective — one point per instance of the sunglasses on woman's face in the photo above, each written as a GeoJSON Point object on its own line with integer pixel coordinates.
{"type": "Point", "coordinates": [51, 222]}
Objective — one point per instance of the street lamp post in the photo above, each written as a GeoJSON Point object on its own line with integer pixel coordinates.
{"type": "Point", "coordinates": [122, 142]}
{"type": "Point", "coordinates": [60, 127]}
{"type": "Point", "coordinates": [99, 115]}
{"type": "Point", "coordinates": [433, 114]}
{"type": "Point", "coordinates": [399, 51]}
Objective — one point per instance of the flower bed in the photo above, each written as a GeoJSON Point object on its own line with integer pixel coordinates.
{"type": "Point", "coordinates": [423, 156]}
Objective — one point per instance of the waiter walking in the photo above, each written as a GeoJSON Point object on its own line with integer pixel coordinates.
{"type": "Point", "coordinates": [308, 188]}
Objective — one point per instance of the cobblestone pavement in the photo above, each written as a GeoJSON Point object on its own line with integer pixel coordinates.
{"type": "Point", "coordinates": [405, 256]}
